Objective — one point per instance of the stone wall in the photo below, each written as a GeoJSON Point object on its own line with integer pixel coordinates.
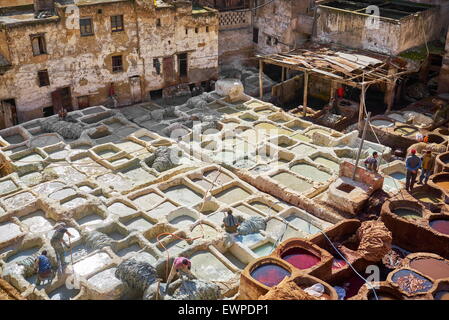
{"type": "Point", "coordinates": [280, 25]}
{"type": "Point", "coordinates": [390, 37]}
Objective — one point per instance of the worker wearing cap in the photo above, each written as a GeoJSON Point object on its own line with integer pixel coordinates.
{"type": "Point", "coordinates": [427, 165]}
{"type": "Point", "coordinates": [181, 266]}
{"type": "Point", "coordinates": [412, 164]}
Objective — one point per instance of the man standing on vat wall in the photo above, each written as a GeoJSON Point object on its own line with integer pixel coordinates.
{"type": "Point", "coordinates": [428, 162]}
{"type": "Point", "coordinates": [413, 164]}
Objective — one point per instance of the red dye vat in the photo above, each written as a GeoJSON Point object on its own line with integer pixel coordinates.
{"type": "Point", "coordinates": [352, 286]}
{"type": "Point", "coordinates": [270, 274]}
{"type": "Point", "coordinates": [440, 226]}
{"type": "Point", "coordinates": [338, 263]}
{"type": "Point", "coordinates": [300, 258]}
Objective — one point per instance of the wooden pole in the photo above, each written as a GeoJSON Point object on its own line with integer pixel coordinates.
{"type": "Point", "coordinates": [283, 74]}
{"type": "Point", "coordinates": [361, 145]}
{"type": "Point", "coordinates": [260, 79]}
{"type": "Point", "coordinates": [306, 85]}
{"type": "Point", "coordinates": [361, 107]}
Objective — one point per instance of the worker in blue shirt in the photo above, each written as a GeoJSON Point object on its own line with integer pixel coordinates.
{"type": "Point", "coordinates": [413, 164]}
{"type": "Point", "coordinates": [43, 266]}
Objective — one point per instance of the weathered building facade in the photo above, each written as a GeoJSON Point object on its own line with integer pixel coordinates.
{"type": "Point", "coordinates": [117, 52]}
{"type": "Point", "coordinates": [282, 25]}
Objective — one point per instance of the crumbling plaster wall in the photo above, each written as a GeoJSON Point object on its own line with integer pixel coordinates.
{"type": "Point", "coordinates": [85, 63]}
{"type": "Point", "coordinates": [390, 37]}
{"type": "Point", "coordinates": [278, 20]}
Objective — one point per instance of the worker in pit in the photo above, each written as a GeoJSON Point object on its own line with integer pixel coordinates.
{"type": "Point", "coordinates": [58, 243]}
{"type": "Point", "coordinates": [43, 267]}
{"type": "Point", "coordinates": [181, 267]}
{"type": "Point", "coordinates": [413, 164]}
{"type": "Point", "coordinates": [371, 162]}
{"type": "Point", "coordinates": [230, 222]}
{"type": "Point", "coordinates": [428, 162]}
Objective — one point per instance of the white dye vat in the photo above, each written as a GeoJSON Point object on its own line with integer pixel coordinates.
{"type": "Point", "coordinates": [147, 201]}
{"type": "Point", "coordinates": [206, 266]}
{"type": "Point", "coordinates": [36, 222]}
{"type": "Point", "coordinates": [91, 264]}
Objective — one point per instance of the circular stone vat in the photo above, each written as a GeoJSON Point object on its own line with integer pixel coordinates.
{"type": "Point", "coordinates": [407, 213]}
{"type": "Point", "coordinates": [441, 225]}
{"type": "Point", "coordinates": [383, 294]}
{"type": "Point", "coordinates": [269, 274]}
{"type": "Point", "coordinates": [300, 258]}
{"type": "Point", "coordinates": [411, 282]}
{"type": "Point", "coordinates": [441, 181]}
{"type": "Point", "coordinates": [428, 195]}
{"type": "Point", "coordinates": [432, 267]}
{"type": "Point", "coordinates": [436, 138]}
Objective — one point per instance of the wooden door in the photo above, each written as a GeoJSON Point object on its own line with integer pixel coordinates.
{"type": "Point", "coordinates": [169, 70]}
{"type": "Point", "coordinates": [136, 89]}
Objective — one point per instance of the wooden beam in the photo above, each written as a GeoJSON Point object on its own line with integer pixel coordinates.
{"type": "Point", "coordinates": [306, 85]}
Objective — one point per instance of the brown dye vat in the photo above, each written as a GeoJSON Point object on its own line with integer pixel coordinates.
{"type": "Point", "coordinates": [440, 181]}
{"type": "Point", "coordinates": [442, 162]}
{"type": "Point", "coordinates": [432, 267]}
